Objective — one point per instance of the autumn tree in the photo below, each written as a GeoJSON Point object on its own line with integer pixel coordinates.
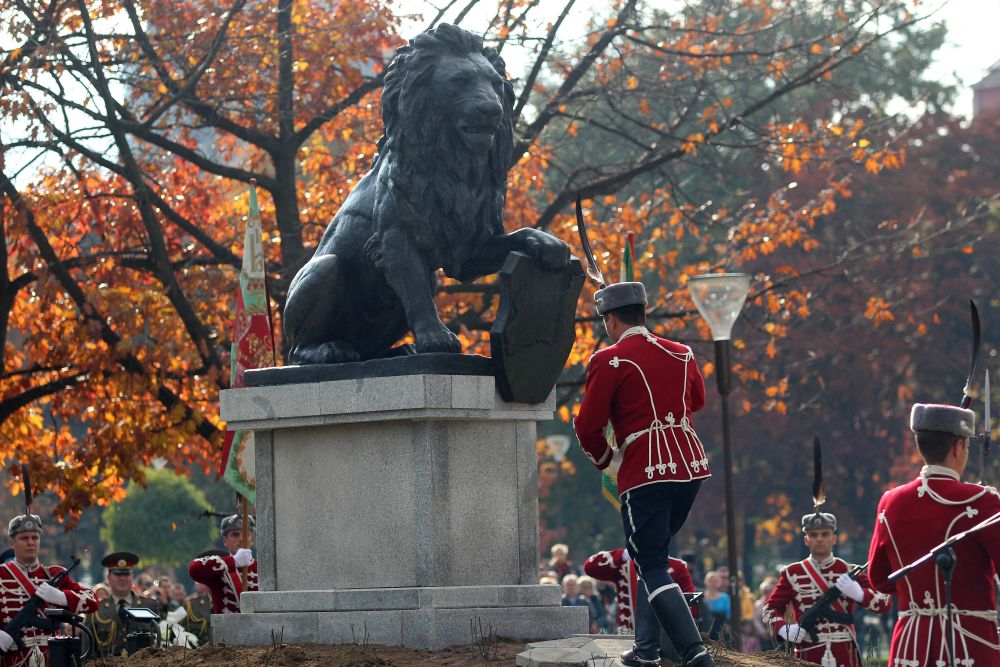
{"type": "Point", "coordinates": [889, 326]}
{"type": "Point", "coordinates": [154, 117]}
{"type": "Point", "coordinates": [149, 521]}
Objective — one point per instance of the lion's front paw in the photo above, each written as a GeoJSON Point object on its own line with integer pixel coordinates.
{"type": "Point", "coordinates": [437, 339]}
{"type": "Point", "coordinates": [553, 256]}
{"type": "Point", "coordinates": [552, 253]}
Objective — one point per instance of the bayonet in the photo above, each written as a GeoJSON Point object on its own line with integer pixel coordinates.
{"type": "Point", "coordinates": [592, 270]}
{"type": "Point", "coordinates": [818, 490]}
{"type": "Point", "coordinates": [976, 336]}
{"type": "Point", "coordinates": [984, 449]}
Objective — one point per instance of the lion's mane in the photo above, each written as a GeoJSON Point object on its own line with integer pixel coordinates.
{"type": "Point", "coordinates": [428, 178]}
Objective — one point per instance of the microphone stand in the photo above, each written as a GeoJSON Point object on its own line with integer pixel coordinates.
{"type": "Point", "coordinates": [945, 559]}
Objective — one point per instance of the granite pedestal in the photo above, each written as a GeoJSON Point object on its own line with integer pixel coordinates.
{"type": "Point", "coordinates": [399, 509]}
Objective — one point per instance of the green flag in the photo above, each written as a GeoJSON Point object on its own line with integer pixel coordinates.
{"type": "Point", "coordinates": [253, 347]}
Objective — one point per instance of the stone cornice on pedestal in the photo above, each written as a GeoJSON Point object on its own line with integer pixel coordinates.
{"type": "Point", "coordinates": [374, 399]}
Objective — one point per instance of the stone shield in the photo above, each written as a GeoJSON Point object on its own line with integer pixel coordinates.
{"type": "Point", "coordinates": [534, 328]}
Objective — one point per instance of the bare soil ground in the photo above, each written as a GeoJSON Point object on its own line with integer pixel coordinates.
{"type": "Point", "coordinates": [499, 653]}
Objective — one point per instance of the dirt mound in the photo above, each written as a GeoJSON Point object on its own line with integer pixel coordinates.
{"type": "Point", "coordinates": [501, 653]}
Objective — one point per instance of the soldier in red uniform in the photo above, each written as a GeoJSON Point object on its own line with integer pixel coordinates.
{"type": "Point", "coordinates": [802, 584]}
{"type": "Point", "coordinates": [617, 567]}
{"type": "Point", "coordinates": [25, 576]}
{"type": "Point", "coordinates": [220, 570]}
{"type": "Point", "coordinates": [913, 519]}
{"type": "Point", "coordinates": [648, 387]}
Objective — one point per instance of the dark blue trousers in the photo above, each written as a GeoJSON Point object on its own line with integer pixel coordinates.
{"type": "Point", "coordinates": [651, 516]}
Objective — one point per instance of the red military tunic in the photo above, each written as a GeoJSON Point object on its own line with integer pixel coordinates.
{"type": "Point", "coordinates": [222, 577]}
{"type": "Point", "coordinates": [837, 646]}
{"type": "Point", "coordinates": [647, 387]}
{"type": "Point", "coordinates": [13, 596]}
{"type": "Point", "coordinates": [913, 519]}
{"type": "Point", "coordinates": [616, 566]}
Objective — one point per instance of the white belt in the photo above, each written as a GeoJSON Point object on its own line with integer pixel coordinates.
{"type": "Point", "coordinates": [632, 437]}
{"type": "Point", "coordinates": [984, 614]}
{"type": "Point", "coordinates": [832, 637]}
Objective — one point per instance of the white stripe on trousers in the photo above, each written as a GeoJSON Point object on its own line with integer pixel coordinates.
{"type": "Point", "coordinates": [631, 523]}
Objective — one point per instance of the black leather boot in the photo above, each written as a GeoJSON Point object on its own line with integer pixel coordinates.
{"type": "Point", "coordinates": [631, 659]}
{"type": "Point", "coordinates": [674, 615]}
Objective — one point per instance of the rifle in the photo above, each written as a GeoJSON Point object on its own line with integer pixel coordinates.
{"type": "Point", "coordinates": [30, 615]}
{"type": "Point", "coordinates": [822, 609]}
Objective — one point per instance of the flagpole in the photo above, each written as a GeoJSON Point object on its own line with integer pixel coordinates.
{"type": "Point", "coordinates": [245, 538]}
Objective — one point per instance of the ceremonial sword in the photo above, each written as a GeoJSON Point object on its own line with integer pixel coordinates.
{"type": "Point", "coordinates": [592, 270]}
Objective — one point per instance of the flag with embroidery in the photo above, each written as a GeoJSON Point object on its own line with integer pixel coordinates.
{"type": "Point", "coordinates": [627, 271]}
{"type": "Point", "coordinates": [252, 347]}
{"type": "Point", "coordinates": [609, 476]}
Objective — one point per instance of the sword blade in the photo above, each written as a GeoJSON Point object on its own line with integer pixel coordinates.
{"type": "Point", "coordinates": [976, 336]}
{"type": "Point", "coordinates": [581, 227]}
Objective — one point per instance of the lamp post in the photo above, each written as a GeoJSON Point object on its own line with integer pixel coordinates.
{"type": "Point", "coordinates": [719, 298]}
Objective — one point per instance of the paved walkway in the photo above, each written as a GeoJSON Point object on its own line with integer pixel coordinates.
{"type": "Point", "coordinates": [577, 651]}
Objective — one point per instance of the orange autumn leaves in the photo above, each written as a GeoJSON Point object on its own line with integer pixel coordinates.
{"type": "Point", "coordinates": [262, 82]}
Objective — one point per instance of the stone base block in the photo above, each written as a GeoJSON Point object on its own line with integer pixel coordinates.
{"type": "Point", "coordinates": [377, 599]}
{"type": "Point", "coordinates": [424, 628]}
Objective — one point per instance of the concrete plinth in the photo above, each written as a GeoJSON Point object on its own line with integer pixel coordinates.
{"type": "Point", "coordinates": [404, 506]}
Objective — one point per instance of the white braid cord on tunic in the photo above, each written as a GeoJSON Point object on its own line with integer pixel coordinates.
{"type": "Point", "coordinates": [910, 638]}
{"type": "Point", "coordinates": [659, 429]}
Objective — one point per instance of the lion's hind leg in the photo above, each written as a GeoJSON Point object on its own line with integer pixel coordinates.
{"type": "Point", "coordinates": [317, 321]}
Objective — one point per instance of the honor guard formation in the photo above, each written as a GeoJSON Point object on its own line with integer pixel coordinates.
{"type": "Point", "coordinates": [636, 418]}
{"type": "Point", "coordinates": [647, 389]}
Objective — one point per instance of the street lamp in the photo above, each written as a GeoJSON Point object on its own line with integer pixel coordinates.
{"type": "Point", "coordinates": [719, 298]}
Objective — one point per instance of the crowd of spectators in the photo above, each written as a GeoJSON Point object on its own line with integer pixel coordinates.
{"type": "Point", "coordinates": [714, 611]}
{"type": "Point", "coordinates": [168, 593]}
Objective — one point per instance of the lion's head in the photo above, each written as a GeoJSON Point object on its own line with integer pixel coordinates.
{"type": "Point", "coordinates": [444, 85]}
{"type": "Point", "coordinates": [448, 106]}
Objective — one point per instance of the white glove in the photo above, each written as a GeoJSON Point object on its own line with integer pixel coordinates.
{"type": "Point", "coordinates": [850, 588]}
{"type": "Point", "coordinates": [6, 641]}
{"type": "Point", "coordinates": [177, 615]}
{"type": "Point", "coordinates": [187, 639]}
{"type": "Point", "coordinates": [51, 594]}
{"type": "Point", "coordinates": [243, 557]}
{"type": "Point", "coordinates": [793, 633]}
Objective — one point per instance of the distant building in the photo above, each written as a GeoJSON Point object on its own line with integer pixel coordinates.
{"type": "Point", "coordinates": [986, 93]}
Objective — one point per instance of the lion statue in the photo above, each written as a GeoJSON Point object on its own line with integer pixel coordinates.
{"type": "Point", "coordinates": [433, 199]}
